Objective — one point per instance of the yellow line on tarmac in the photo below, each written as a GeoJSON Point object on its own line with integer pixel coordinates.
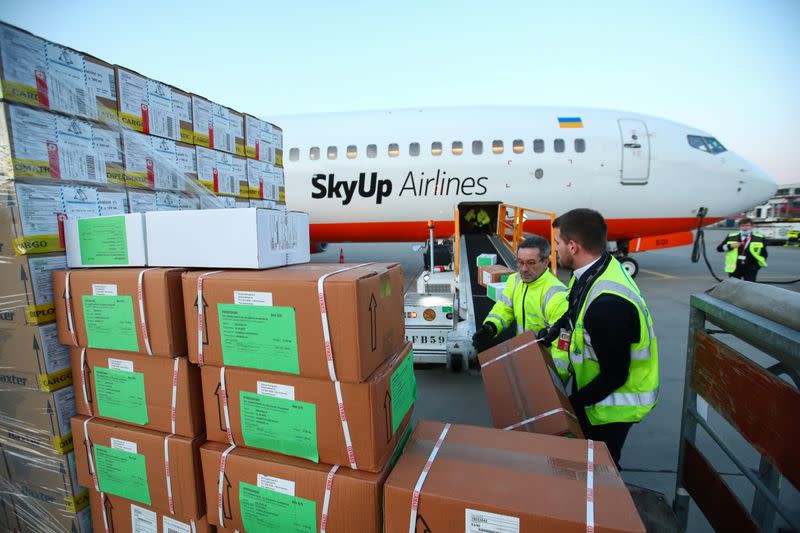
{"type": "Point", "coordinates": [659, 274]}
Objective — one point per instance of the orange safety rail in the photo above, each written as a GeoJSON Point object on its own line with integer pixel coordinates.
{"type": "Point", "coordinates": [458, 241]}
{"type": "Point", "coordinates": [510, 229]}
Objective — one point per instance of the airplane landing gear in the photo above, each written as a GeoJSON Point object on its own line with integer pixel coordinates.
{"type": "Point", "coordinates": [628, 263]}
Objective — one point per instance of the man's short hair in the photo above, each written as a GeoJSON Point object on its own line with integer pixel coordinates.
{"type": "Point", "coordinates": [745, 220]}
{"type": "Point", "coordinates": [535, 241]}
{"type": "Point", "coordinates": [584, 226]}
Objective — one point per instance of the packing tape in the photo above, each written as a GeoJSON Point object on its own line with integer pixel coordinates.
{"type": "Point", "coordinates": [223, 389]}
{"type": "Point", "coordinates": [173, 407]}
{"type": "Point", "coordinates": [201, 314]}
{"type": "Point", "coordinates": [590, 487]}
{"type": "Point", "coordinates": [539, 417]}
{"type": "Point", "coordinates": [83, 383]}
{"type": "Point", "coordinates": [221, 485]}
{"type": "Point", "coordinates": [68, 301]}
{"type": "Point", "coordinates": [412, 525]}
{"type": "Point", "coordinates": [193, 525]}
{"type": "Point", "coordinates": [326, 333]}
{"type": "Point", "coordinates": [104, 511]}
{"type": "Point", "coordinates": [511, 352]}
{"type": "Point", "coordinates": [142, 320]}
{"type": "Point", "coordinates": [323, 523]}
{"type": "Point", "coordinates": [168, 474]}
{"type": "Point", "coordinates": [88, 445]}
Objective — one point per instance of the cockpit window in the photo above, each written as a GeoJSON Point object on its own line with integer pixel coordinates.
{"type": "Point", "coordinates": [706, 144]}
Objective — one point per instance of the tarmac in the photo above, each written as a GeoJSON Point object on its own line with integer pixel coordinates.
{"type": "Point", "coordinates": [666, 278]}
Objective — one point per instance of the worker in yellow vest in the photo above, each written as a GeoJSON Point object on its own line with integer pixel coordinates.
{"type": "Point", "coordinates": [608, 332]}
{"type": "Point", "coordinates": [745, 252]}
{"type": "Point", "coordinates": [533, 298]}
{"type": "Point", "coordinates": [479, 218]}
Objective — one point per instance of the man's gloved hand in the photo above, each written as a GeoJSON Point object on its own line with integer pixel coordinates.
{"type": "Point", "coordinates": [482, 337]}
{"type": "Point", "coordinates": [547, 336]}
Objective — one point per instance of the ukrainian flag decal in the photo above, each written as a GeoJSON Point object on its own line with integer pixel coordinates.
{"type": "Point", "coordinates": [570, 122]}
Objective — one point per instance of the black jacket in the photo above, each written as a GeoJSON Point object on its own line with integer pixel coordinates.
{"type": "Point", "coordinates": [749, 261]}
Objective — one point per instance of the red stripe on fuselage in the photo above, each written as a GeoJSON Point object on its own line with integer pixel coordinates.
{"type": "Point", "coordinates": [618, 229]}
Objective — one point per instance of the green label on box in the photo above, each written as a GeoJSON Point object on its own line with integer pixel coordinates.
{"type": "Point", "coordinates": [259, 336]}
{"type": "Point", "coordinates": [103, 241]}
{"type": "Point", "coordinates": [109, 322]}
{"type": "Point", "coordinates": [504, 277]}
{"type": "Point", "coordinates": [120, 395]}
{"type": "Point", "coordinates": [403, 390]}
{"type": "Point", "coordinates": [122, 473]}
{"type": "Point", "coordinates": [279, 425]}
{"type": "Point", "coordinates": [267, 510]}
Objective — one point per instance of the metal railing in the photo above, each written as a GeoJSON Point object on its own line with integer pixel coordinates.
{"type": "Point", "coordinates": [510, 229]}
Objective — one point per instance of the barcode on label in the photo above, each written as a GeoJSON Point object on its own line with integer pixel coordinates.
{"type": "Point", "coordinates": [228, 143]}
{"type": "Point", "coordinates": [80, 101]}
{"type": "Point", "coordinates": [112, 84]}
{"type": "Point", "coordinates": [91, 168]}
{"type": "Point", "coordinates": [170, 128]}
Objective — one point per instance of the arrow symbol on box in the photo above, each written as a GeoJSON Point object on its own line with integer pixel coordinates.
{"type": "Point", "coordinates": [205, 319]}
{"type": "Point", "coordinates": [63, 476]}
{"type": "Point", "coordinates": [109, 510]}
{"type": "Point", "coordinates": [36, 350]}
{"type": "Point", "coordinates": [387, 410]}
{"type": "Point", "coordinates": [23, 276]}
{"type": "Point", "coordinates": [50, 413]}
{"type": "Point", "coordinates": [373, 319]}
{"type": "Point", "coordinates": [222, 425]}
{"type": "Point", "coordinates": [87, 370]}
{"type": "Point", "coordinates": [227, 499]}
{"type": "Point", "coordinates": [421, 521]}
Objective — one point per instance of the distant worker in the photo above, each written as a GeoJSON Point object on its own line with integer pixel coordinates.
{"type": "Point", "coordinates": [745, 252]}
{"type": "Point", "coordinates": [479, 219]}
{"type": "Point", "coordinates": [792, 238]}
{"type": "Point", "coordinates": [533, 298]}
{"type": "Point", "coordinates": [609, 331]}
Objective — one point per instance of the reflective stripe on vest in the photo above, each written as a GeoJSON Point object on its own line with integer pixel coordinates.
{"type": "Point", "coordinates": [630, 399]}
{"type": "Point", "coordinates": [552, 291]}
{"type": "Point", "coordinates": [498, 317]}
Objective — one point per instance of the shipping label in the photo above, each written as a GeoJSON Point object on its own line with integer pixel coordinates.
{"type": "Point", "coordinates": [284, 486]}
{"type": "Point", "coordinates": [55, 354]}
{"type": "Point", "coordinates": [110, 322]}
{"type": "Point", "coordinates": [268, 510]}
{"type": "Point", "coordinates": [103, 241]}
{"type": "Point", "coordinates": [279, 425]}
{"type": "Point", "coordinates": [120, 364]}
{"type": "Point", "coordinates": [261, 337]}
{"type": "Point", "coordinates": [143, 520]}
{"type": "Point", "coordinates": [223, 132]}
{"type": "Point", "coordinates": [104, 289]}
{"type": "Point", "coordinates": [132, 99]}
{"type": "Point", "coordinates": [283, 232]}
{"type": "Point", "coordinates": [187, 163]}
{"type": "Point", "coordinates": [239, 176]}
{"type": "Point", "coordinates": [120, 395]}
{"type": "Point", "coordinates": [124, 445]}
{"type": "Point", "coordinates": [170, 525]}
{"type": "Point", "coordinates": [112, 203]}
{"type": "Point", "coordinates": [252, 298]}
{"type": "Point", "coordinates": [33, 132]}
{"type": "Point", "coordinates": [167, 175]}
{"type": "Point", "coordinates": [23, 57]}
{"type": "Point", "coordinates": [202, 121]}
{"type": "Point", "coordinates": [207, 172]}
{"type": "Point", "coordinates": [77, 157]}
{"type": "Point", "coordinates": [66, 81]}
{"type": "Point", "coordinates": [108, 145]}
{"type": "Point", "coordinates": [237, 131]}
{"type": "Point", "coordinates": [276, 390]}
{"type": "Point", "coordinates": [485, 522]}
{"type": "Point", "coordinates": [79, 202]}
{"type": "Point", "coordinates": [122, 473]}
{"type": "Point", "coordinates": [163, 119]}
{"type": "Point", "coordinates": [403, 390]}
{"type": "Point", "coordinates": [139, 160]}
{"type": "Point", "coordinates": [168, 201]}
{"type": "Point", "coordinates": [39, 207]}
{"type": "Point", "coordinates": [41, 269]}
{"type": "Point", "coordinates": [102, 90]}
{"type": "Point", "coordinates": [142, 201]}
{"type": "Point", "coordinates": [182, 106]}
{"type": "Point", "coordinates": [64, 400]}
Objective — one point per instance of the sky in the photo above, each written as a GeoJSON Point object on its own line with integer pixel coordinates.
{"type": "Point", "coordinates": [730, 68]}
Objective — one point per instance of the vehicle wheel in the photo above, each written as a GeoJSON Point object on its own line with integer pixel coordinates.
{"type": "Point", "coordinates": [456, 363]}
{"type": "Point", "coordinates": [630, 265]}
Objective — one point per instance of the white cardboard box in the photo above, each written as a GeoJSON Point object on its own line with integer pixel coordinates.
{"type": "Point", "coordinates": [109, 241]}
{"type": "Point", "coordinates": [226, 238]}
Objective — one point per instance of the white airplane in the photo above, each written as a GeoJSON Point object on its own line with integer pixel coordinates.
{"type": "Point", "coordinates": [379, 176]}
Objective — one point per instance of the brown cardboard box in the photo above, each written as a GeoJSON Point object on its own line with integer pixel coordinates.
{"type": "Point", "coordinates": [117, 325]}
{"type": "Point", "coordinates": [125, 516]}
{"type": "Point", "coordinates": [524, 390]}
{"type": "Point", "coordinates": [130, 462]}
{"type": "Point", "coordinates": [508, 480]}
{"type": "Point", "coordinates": [138, 390]}
{"type": "Point", "coordinates": [493, 274]}
{"type": "Point", "coordinates": [276, 482]}
{"type": "Point", "coordinates": [34, 355]}
{"type": "Point", "coordinates": [35, 419]}
{"type": "Point", "coordinates": [182, 103]}
{"type": "Point", "coordinates": [364, 309]}
{"type": "Point", "coordinates": [237, 131]}
{"type": "Point", "coordinates": [300, 416]}
{"type": "Point", "coordinates": [26, 289]}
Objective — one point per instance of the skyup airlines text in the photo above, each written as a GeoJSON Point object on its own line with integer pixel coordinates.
{"type": "Point", "coordinates": [327, 186]}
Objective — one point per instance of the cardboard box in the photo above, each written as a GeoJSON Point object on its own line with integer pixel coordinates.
{"type": "Point", "coordinates": [146, 105]}
{"type": "Point", "coordinates": [186, 155]}
{"type": "Point", "coordinates": [35, 357]}
{"type": "Point", "coordinates": [144, 201]}
{"type": "Point", "coordinates": [138, 390]}
{"type": "Point", "coordinates": [271, 319]}
{"type": "Point", "coordinates": [152, 162]}
{"type": "Point", "coordinates": [182, 104]}
{"type": "Point", "coordinates": [277, 144]}
{"type": "Point", "coordinates": [250, 238]}
{"type": "Point", "coordinates": [494, 290]}
{"type": "Point", "coordinates": [491, 480]}
{"type": "Point", "coordinates": [257, 138]}
{"type": "Point", "coordinates": [300, 416]}
{"type": "Point", "coordinates": [524, 390]}
{"type": "Point", "coordinates": [301, 253]}
{"type": "Point", "coordinates": [34, 419]}
{"type": "Point", "coordinates": [42, 74]}
{"type": "Point", "coordinates": [106, 311]}
{"type": "Point", "coordinates": [220, 172]}
{"type": "Point", "coordinates": [108, 143]}
{"type": "Point", "coordinates": [22, 513]}
{"type": "Point", "coordinates": [484, 260]}
{"type": "Point", "coordinates": [237, 132]}
{"type": "Point", "coordinates": [124, 516]}
{"type": "Point", "coordinates": [292, 489]}
{"type": "Point", "coordinates": [113, 201]}
{"type": "Point", "coordinates": [38, 144]}
{"type": "Point", "coordinates": [116, 240]}
{"type": "Point", "coordinates": [262, 182]}
{"type": "Point", "coordinates": [26, 289]}
{"type": "Point", "coordinates": [130, 463]}
{"type": "Point", "coordinates": [216, 126]}
{"type": "Point", "coordinates": [493, 274]}
{"type": "Point", "coordinates": [47, 489]}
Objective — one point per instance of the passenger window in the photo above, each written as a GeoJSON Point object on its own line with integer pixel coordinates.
{"type": "Point", "coordinates": [458, 148]}
{"type": "Point", "coordinates": [332, 152]}
{"type": "Point", "coordinates": [294, 154]}
{"type": "Point", "coordinates": [518, 146]}
{"type": "Point", "coordinates": [580, 146]}
{"type": "Point", "coordinates": [413, 149]}
{"type": "Point", "coordinates": [352, 151]}
{"type": "Point", "coordinates": [558, 145]}
{"type": "Point", "coordinates": [477, 147]}
{"type": "Point", "coordinates": [538, 146]}
{"type": "Point", "coordinates": [436, 148]}
{"type": "Point", "coordinates": [497, 147]}
{"type": "Point", "coordinates": [313, 153]}
{"type": "Point", "coordinates": [372, 150]}
{"type": "Point", "coordinates": [394, 150]}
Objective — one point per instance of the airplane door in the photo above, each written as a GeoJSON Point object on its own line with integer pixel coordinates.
{"type": "Point", "coordinates": [635, 152]}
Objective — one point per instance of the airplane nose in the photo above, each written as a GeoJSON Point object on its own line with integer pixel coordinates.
{"type": "Point", "coordinates": [763, 185]}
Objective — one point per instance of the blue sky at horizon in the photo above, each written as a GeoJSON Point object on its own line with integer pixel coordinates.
{"type": "Point", "coordinates": [730, 68]}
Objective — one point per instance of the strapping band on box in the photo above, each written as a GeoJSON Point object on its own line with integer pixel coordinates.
{"type": "Point", "coordinates": [168, 474]}
{"type": "Point", "coordinates": [104, 510]}
{"type": "Point", "coordinates": [539, 417]}
{"type": "Point", "coordinates": [590, 487]}
{"type": "Point", "coordinates": [142, 320]}
{"type": "Point", "coordinates": [88, 445]}
{"type": "Point", "coordinates": [173, 406]}
{"type": "Point", "coordinates": [201, 314]}
{"type": "Point", "coordinates": [412, 525]}
{"type": "Point", "coordinates": [326, 333]}
{"type": "Point", "coordinates": [510, 352]}
{"type": "Point", "coordinates": [323, 523]}
{"type": "Point", "coordinates": [68, 302]}
{"type": "Point", "coordinates": [221, 486]}
{"type": "Point", "coordinates": [224, 391]}
{"type": "Point", "coordinates": [83, 384]}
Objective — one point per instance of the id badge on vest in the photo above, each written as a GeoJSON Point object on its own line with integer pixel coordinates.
{"type": "Point", "coordinates": [564, 339]}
